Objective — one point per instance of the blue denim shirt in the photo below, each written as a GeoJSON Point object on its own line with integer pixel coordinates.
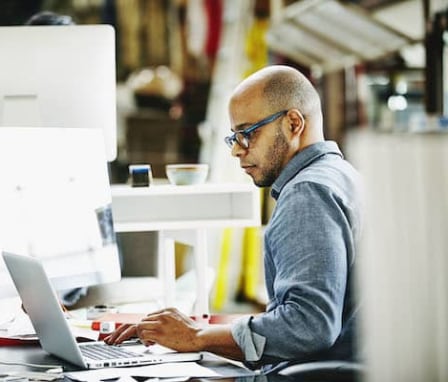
{"type": "Point", "coordinates": [309, 245]}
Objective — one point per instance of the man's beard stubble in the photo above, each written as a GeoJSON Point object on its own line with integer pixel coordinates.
{"type": "Point", "coordinates": [274, 159]}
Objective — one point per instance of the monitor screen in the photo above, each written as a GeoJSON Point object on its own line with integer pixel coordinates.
{"type": "Point", "coordinates": [59, 76]}
{"type": "Point", "coordinates": [55, 203]}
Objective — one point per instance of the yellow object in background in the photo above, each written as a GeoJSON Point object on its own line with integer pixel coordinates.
{"type": "Point", "coordinates": [256, 46]}
{"type": "Point", "coordinates": [250, 252]}
{"type": "Point", "coordinates": [222, 279]}
{"type": "Point", "coordinates": [250, 267]}
{"type": "Point", "coordinates": [251, 263]}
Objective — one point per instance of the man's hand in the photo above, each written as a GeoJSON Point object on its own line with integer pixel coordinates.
{"type": "Point", "coordinates": [167, 327]}
{"type": "Point", "coordinates": [122, 333]}
{"type": "Point", "coordinates": [173, 329]}
{"type": "Point", "coordinates": [170, 328]}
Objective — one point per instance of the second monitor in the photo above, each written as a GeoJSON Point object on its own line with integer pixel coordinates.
{"type": "Point", "coordinates": [59, 76]}
{"type": "Point", "coordinates": [55, 203]}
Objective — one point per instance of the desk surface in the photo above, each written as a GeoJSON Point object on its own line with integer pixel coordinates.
{"type": "Point", "coordinates": [35, 355]}
{"type": "Point", "coordinates": [29, 354]}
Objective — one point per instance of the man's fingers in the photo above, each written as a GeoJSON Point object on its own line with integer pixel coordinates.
{"type": "Point", "coordinates": [145, 329]}
{"type": "Point", "coordinates": [128, 333]}
{"type": "Point", "coordinates": [123, 333]}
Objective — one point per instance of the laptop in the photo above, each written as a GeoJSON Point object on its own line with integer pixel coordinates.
{"type": "Point", "coordinates": [42, 306]}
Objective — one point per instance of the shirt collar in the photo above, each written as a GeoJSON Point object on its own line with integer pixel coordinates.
{"type": "Point", "coordinates": [301, 160]}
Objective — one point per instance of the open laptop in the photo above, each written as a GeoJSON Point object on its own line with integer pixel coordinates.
{"type": "Point", "coordinates": [41, 304]}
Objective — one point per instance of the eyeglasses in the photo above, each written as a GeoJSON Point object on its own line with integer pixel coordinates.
{"type": "Point", "coordinates": [242, 137]}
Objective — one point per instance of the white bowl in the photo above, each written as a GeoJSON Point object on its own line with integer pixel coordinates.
{"type": "Point", "coordinates": [186, 174]}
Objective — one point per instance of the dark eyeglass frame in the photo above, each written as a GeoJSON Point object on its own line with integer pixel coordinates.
{"type": "Point", "coordinates": [242, 137]}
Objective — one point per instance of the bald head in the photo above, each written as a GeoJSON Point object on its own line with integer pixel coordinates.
{"type": "Point", "coordinates": [280, 87]}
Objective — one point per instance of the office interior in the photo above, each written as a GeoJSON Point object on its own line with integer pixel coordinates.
{"type": "Point", "coordinates": [384, 91]}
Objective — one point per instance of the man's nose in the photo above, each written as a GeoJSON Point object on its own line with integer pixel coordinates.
{"type": "Point", "coordinates": [237, 150]}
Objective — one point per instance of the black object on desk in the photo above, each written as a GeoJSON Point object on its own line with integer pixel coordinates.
{"type": "Point", "coordinates": [140, 174]}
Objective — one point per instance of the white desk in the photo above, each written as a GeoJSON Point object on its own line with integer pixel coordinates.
{"type": "Point", "coordinates": [183, 214]}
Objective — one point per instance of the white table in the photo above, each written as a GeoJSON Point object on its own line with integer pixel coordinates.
{"type": "Point", "coordinates": [183, 214]}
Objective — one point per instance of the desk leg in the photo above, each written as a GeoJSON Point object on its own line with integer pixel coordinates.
{"type": "Point", "coordinates": [167, 268]}
{"type": "Point", "coordinates": [201, 268]}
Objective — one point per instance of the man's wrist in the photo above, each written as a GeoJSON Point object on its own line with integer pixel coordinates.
{"type": "Point", "coordinates": [218, 339]}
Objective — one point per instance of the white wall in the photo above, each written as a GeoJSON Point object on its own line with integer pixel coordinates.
{"type": "Point", "coordinates": [403, 281]}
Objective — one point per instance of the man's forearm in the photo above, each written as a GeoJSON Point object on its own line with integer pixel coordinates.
{"type": "Point", "coordinates": [218, 339]}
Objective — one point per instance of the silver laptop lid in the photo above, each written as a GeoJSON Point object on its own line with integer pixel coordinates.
{"type": "Point", "coordinates": [43, 308]}
{"type": "Point", "coordinates": [41, 304]}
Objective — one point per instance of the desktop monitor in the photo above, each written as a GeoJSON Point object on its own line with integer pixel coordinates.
{"type": "Point", "coordinates": [59, 76]}
{"type": "Point", "coordinates": [55, 203]}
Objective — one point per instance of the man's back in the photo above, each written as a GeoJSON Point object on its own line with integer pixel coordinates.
{"type": "Point", "coordinates": [309, 254]}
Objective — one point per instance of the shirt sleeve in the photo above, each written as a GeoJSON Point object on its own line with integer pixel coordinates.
{"type": "Point", "coordinates": [250, 342]}
{"type": "Point", "coordinates": [306, 245]}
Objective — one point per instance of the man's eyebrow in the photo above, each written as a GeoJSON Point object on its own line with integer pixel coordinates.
{"type": "Point", "coordinates": [241, 126]}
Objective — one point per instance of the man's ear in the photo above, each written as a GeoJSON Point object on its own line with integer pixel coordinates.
{"type": "Point", "coordinates": [296, 120]}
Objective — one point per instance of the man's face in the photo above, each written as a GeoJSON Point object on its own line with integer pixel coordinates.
{"type": "Point", "coordinates": [268, 150]}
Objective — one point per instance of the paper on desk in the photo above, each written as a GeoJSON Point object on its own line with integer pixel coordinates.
{"type": "Point", "coordinates": [226, 368]}
{"type": "Point", "coordinates": [164, 370]}
{"type": "Point", "coordinates": [7, 315]}
{"type": "Point", "coordinates": [18, 331]}
{"type": "Point", "coordinates": [21, 328]}
{"type": "Point", "coordinates": [36, 375]}
{"type": "Point", "coordinates": [210, 367]}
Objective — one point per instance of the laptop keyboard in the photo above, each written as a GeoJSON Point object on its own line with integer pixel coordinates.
{"type": "Point", "coordinates": [103, 351]}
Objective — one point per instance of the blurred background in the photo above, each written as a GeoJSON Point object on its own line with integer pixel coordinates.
{"type": "Point", "coordinates": [176, 57]}
{"type": "Point", "coordinates": [381, 69]}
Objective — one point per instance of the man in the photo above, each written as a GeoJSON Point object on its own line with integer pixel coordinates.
{"type": "Point", "coordinates": [309, 242]}
{"type": "Point", "coordinates": [49, 18]}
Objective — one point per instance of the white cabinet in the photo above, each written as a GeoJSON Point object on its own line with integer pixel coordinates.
{"type": "Point", "coordinates": [183, 213]}
{"type": "Point", "coordinates": [161, 207]}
